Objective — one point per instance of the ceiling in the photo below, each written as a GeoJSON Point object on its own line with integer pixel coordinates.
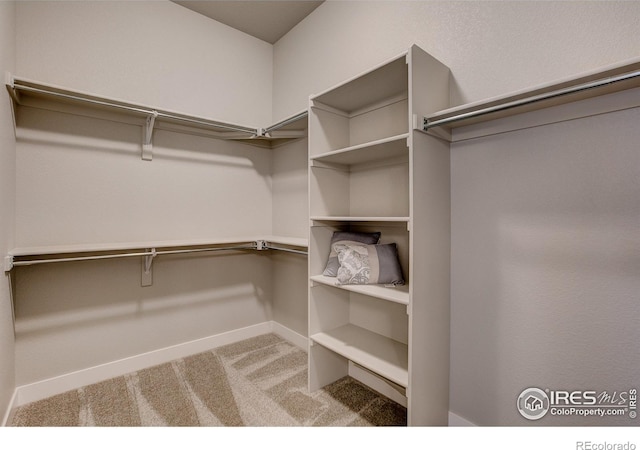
{"type": "Point", "coordinates": [268, 20]}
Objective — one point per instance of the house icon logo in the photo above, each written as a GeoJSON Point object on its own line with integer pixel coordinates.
{"type": "Point", "coordinates": [533, 403]}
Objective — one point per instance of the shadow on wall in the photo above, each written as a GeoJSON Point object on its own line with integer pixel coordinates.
{"type": "Point", "coordinates": [59, 296]}
{"type": "Point", "coordinates": [64, 131]}
{"type": "Point", "coordinates": [82, 180]}
{"type": "Point", "coordinates": [71, 316]}
{"type": "Point", "coordinates": [545, 267]}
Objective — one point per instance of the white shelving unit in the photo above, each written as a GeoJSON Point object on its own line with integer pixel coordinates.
{"type": "Point", "coordinates": [369, 170]}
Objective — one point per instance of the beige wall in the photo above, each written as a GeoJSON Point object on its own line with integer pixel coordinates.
{"type": "Point", "coordinates": [152, 52]}
{"type": "Point", "coordinates": [79, 315]}
{"type": "Point", "coordinates": [7, 204]}
{"type": "Point", "coordinates": [290, 218]}
{"type": "Point", "coordinates": [544, 222]}
{"type": "Point", "coordinates": [82, 180]}
{"type": "Point", "coordinates": [545, 263]}
{"type": "Point", "coordinates": [289, 167]}
{"type": "Point", "coordinates": [89, 187]}
{"type": "Point", "coordinates": [491, 47]}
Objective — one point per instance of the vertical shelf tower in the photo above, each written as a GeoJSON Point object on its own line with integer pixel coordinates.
{"type": "Point", "coordinates": [371, 169]}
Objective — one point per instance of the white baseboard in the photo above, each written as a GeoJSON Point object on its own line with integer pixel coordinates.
{"type": "Point", "coordinates": [74, 380]}
{"type": "Point", "coordinates": [10, 409]}
{"type": "Point", "coordinates": [457, 421]}
{"type": "Point", "coordinates": [292, 336]}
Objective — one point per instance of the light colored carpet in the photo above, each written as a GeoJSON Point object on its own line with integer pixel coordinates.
{"type": "Point", "coordinates": [261, 381]}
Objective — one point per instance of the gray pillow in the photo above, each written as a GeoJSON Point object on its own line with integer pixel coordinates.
{"type": "Point", "coordinates": [368, 264]}
{"type": "Point", "coordinates": [346, 237]}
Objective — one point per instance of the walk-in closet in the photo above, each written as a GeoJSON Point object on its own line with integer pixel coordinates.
{"type": "Point", "coordinates": [384, 214]}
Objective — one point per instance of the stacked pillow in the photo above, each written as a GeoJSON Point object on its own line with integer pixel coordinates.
{"type": "Point", "coordinates": [357, 258]}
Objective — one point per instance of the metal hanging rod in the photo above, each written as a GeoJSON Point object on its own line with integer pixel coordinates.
{"type": "Point", "coordinates": [151, 253]}
{"type": "Point", "coordinates": [198, 250]}
{"type": "Point", "coordinates": [255, 245]}
{"type": "Point", "coordinates": [286, 122]}
{"type": "Point", "coordinates": [289, 250]}
{"type": "Point", "coordinates": [31, 262]}
{"type": "Point", "coordinates": [427, 124]}
{"type": "Point", "coordinates": [68, 95]}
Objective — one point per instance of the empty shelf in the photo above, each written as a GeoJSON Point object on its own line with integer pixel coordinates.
{"type": "Point", "coordinates": [391, 147]}
{"type": "Point", "coordinates": [387, 80]}
{"type": "Point", "coordinates": [382, 355]}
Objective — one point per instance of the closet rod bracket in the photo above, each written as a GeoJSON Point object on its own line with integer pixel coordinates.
{"type": "Point", "coordinates": [147, 133]}
{"type": "Point", "coordinates": [146, 278]}
{"type": "Point", "coordinates": [8, 263]}
{"type": "Point", "coordinates": [148, 260]}
{"type": "Point", "coordinates": [266, 245]}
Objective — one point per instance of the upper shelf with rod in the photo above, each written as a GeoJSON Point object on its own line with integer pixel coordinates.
{"type": "Point", "coordinates": [606, 80]}
{"type": "Point", "coordinates": [32, 93]}
{"type": "Point", "coordinates": [148, 250]}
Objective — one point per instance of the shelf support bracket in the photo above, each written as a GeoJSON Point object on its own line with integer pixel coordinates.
{"type": "Point", "coordinates": [8, 263]}
{"type": "Point", "coordinates": [147, 266]}
{"type": "Point", "coordinates": [9, 82]}
{"type": "Point", "coordinates": [11, 87]}
{"type": "Point", "coordinates": [262, 245]}
{"type": "Point", "coordinates": [147, 133]}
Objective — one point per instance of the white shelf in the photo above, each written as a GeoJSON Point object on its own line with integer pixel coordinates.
{"type": "Point", "coordinates": [398, 294]}
{"type": "Point", "coordinates": [124, 246]}
{"type": "Point", "coordinates": [382, 355]}
{"type": "Point", "coordinates": [359, 219]}
{"type": "Point", "coordinates": [387, 80]}
{"type": "Point", "coordinates": [391, 147]}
